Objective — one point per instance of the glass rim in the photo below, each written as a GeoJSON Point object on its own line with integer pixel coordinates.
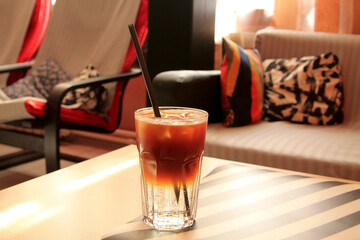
{"type": "Point", "coordinates": [204, 113]}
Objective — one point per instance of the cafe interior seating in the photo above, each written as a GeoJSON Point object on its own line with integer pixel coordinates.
{"type": "Point", "coordinates": [68, 47]}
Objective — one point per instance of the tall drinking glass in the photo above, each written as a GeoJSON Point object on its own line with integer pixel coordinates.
{"type": "Point", "coordinates": [170, 152]}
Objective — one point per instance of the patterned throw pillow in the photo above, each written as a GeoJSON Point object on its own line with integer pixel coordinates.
{"type": "Point", "coordinates": [304, 90]}
{"type": "Point", "coordinates": [88, 98]}
{"type": "Point", "coordinates": [39, 83]}
{"type": "Point", "coordinates": [241, 85]}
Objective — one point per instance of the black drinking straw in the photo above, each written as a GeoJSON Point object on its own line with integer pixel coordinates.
{"type": "Point", "coordinates": [145, 71]}
{"type": "Point", "coordinates": [152, 97]}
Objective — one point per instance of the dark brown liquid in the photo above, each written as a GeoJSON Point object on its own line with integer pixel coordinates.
{"type": "Point", "coordinates": [170, 153]}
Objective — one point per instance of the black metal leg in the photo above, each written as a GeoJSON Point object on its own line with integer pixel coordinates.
{"type": "Point", "coordinates": [51, 146]}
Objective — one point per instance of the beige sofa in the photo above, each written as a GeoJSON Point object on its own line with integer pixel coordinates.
{"type": "Point", "coordinates": [326, 150]}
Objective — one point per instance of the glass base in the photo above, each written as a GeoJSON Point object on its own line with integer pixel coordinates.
{"type": "Point", "coordinates": [169, 223]}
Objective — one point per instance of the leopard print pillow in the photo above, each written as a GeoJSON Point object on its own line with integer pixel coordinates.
{"type": "Point", "coordinates": [304, 90]}
{"type": "Point", "coordinates": [88, 98]}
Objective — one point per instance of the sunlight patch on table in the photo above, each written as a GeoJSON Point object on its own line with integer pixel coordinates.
{"type": "Point", "coordinates": [98, 176]}
{"type": "Point", "coordinates": [17, 212]}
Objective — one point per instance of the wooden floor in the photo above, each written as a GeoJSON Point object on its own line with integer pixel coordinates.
{"type": "Point", "coordinates": [78, 143]}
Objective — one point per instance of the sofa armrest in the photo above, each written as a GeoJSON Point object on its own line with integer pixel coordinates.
{"type": "Point", "coordinates": [186, 88]}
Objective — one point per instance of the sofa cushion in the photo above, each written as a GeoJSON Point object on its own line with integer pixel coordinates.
{"type": "Point", "coordinates": [332, 151]}
{"type": "Point", "coordinates": [241, 85]}
{"type": "Point", "coordinates": [304, 90]}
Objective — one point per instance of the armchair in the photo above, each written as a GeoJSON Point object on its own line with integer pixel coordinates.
{"type": "Point", "coordinates": [79, 32]}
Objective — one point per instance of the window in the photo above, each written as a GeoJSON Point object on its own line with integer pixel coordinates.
{"type": "Point", "coordinates": [249, 16]}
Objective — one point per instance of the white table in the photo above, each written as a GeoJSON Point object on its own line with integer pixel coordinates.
{"type": "Point", "coordinates": [100, 199]}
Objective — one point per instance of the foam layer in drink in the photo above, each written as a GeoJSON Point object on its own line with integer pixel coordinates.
{"type": "Point", "coordinates": [173, 117]}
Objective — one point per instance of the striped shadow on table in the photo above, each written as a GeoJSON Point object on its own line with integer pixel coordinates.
{"type": "Point", "coordinates": [239, 202]}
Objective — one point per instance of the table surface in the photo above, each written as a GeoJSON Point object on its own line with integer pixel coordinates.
{"type": "Point", "coordinates": [100, 199]}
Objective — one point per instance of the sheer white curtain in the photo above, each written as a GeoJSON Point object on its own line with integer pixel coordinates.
{"type": "Point", "coordinates": [242, 16]}
{"type": "Point", "coordinates": [236, 16]}
{"type": "Point", "coordinates": [249, 16]}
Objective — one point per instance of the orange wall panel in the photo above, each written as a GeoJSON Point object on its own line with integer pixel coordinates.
{"type": "Point", "coordinates": [286, 14]}
{"type": "Point", "coordinates": [356, 17]}
{"type": "Point", "coordinates": [327, 16]}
